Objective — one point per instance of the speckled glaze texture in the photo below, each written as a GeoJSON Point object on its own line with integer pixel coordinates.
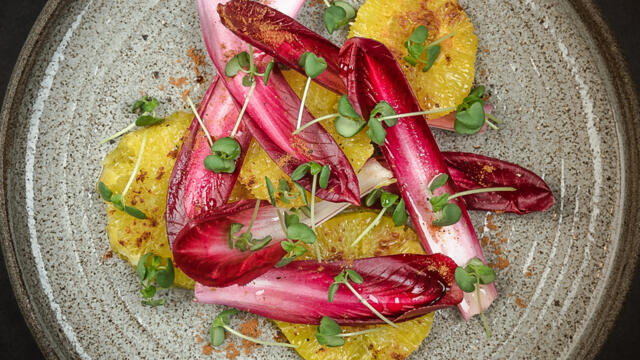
{"type": "Point", "coordinates": [570, 115]}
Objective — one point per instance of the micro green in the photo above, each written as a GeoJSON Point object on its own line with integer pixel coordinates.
{"type": "Point", "coordinates": [470, 278]}
{"type": "Point", "coordinates": [246, 241]}
{"type": "Point", "coordinates": [220, 326]}
{"type": "Point", "coordinates": [118, 200]}
{"type": "Point", "coordinates": [145, 109]}
{"type": "Point", "coordinates": [330, 334]}
{"type": "Point", "coordinates": [343, 279]}
{"type": "Point", "coordinates": [450, 213]}
{"type": "Point", "coordinates": [387, 200]}
{"type": "Point", "coordinates": [320, 176]}
{"type": "Point", "coordinates": [347, 121]}
{"type": "Point", "coordinates": [152, 273]}
{"type": "Point", "coordinates": [313, 66]}
{"type": "Point", "coordinates": [337, 15]}
{"type": "Point", "coordinates": [416, 48]}
{"type": "Point", "coordinates": [297, 233]}
{"type": "Point", "coordinates": [471, 117]}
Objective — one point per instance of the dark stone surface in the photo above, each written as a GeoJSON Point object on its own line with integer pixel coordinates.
{"type": "Point", "coordinates": [16, 19]}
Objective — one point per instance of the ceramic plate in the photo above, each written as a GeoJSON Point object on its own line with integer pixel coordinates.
{"type": "Point", "coordinates": [558, 83]}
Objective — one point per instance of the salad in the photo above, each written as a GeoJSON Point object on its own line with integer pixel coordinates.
{"type": "Point", "coordinates": [307, 187]}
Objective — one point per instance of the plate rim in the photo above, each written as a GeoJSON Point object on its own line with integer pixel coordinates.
{"type": "Point", "coordinates": [619, 281]}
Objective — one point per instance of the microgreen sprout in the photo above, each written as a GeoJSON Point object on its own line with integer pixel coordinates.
{"type": "Point", "coordinates": [387, 200]}
{"type": "Point", "coordinates": [347, 121]}
{"type": "Point", "coordinates": [337, 15]}
{"type": "Point", "coordinates": [297, 233]}
{"type": "Point", "coordinates": [246, 241]}
{"type": "Point", "coordinates": [343, 279]}
{"type": "Point", "coordinates": [471, 117]}
{"type": "Point", "coordinates": [450, 213]}
{"type": "Point", "coordinates": [151, 271]}
{"type": "Point", "coordinates": [145, 109]}
{"type": "Point", "coordinates": [226, 151]}
{"type": "Point", "coordinates": [330, 334]}
{"type": "Point", "coordinates": [470, 278]}
{"type": "Point", "coordinates": [313, 67]}
{"type": "Point", "coordinates": [416, 47]}
{"type": "Point", "coordinates": [118, 200]}
{"type": "Point", "coordinates": [217, 332]}
{"type": "Point", "coordinates": [318, 172]}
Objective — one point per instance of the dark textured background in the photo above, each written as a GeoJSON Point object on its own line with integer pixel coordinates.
{"type": "Point", "coordinates": [16, 19]}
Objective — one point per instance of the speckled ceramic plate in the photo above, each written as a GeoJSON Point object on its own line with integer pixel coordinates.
{"type": "Point", "coordinates": [557, 80]}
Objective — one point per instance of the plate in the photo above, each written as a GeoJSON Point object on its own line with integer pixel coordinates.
{"type": "Point", "coordinates": [558, 82]}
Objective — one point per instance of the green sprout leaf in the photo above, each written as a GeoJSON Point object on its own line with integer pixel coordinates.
{"type": "Point", "coordinates": [419, 35]}
{"type": "Point", "coordinates": [148, 292]}
{"type": "Point", "coordinates": [346, 109]}
{"type": "Point", "coordinates": [271, 190]}
{"type": "Point", "coordinates": [136, 213]}
{"type": "Point", "coordinates": [338, 15]}
{"type": "Point", "coordinates": [312, 64]}
{"type": "Point", "coordinates": [145, 105]}
{"type": "Point", "coordinates": [216, 335]}
{"type": "Point", "coordinates": [223, 318]}
{"type": "Point", "coordinates": [327, 332]}
{"type": "Point", "coordinates": [451, 214]}
{"type": "Point", "coordinates": [104, 191]}
{"type": "Point", "coordinates": [237, 64]}
{"type": "Point", "coordinates": [267, 71]}
{"type": "Point", "coordinates": [400, 215]}
{"type": "Point", "coordinates": [333, 289]}
{"type": "Point", "coordinates": [286, 260]}
{"type": "Point", "coordinates": [354, 276]}
{"type": "Point", "coordinates": [384, 109]}
{"type": "Point", "coordinates": [465, 281]}
{"type": "Point", "coordinates": [116, 200]}
{"type": "Point", "coordinates": [438, 182]}
{"type": "Point", "coordinates": [141, 268]}
{"type": "Point", "coordinates": [373, 197]}
{"type": "Point", "coordinates": [257, 244]}
{"type": "Point", "coordinates": [248, 80]}
{"type": "Point", "coordinates": [323, 180]}
{"type": "Point", "coordinates": [302, 193]}
{"type": "Point", "coordinates": [301, 232]}
{"type": "Point", "coordinates": [471, 120]}
{"type": "Point", "coordinates": [227, 148]}
{"type": "Point", "coordinates": [219, 165]}
{"type": "Point", "coordinates": [153, 303]}
{"type": "Point", "coordinates": [432, 55]}
{"type": "Point", "coordinates": [314, 168]}
{"type": "Point", "coordinates": [290, 219]}
{"type": "Point", "coordinates": [165, 277]}
{"type": "Point", "coordinates": [376, 131]}
{"type": "Point", "coordinates": [387, 199]}
{"type": "Point", "coordinates": [439, 202]}
{"type": "Point", "coordinates": [300, 172]}
{"type": "Point", "coordinates": [147, 120]}
{"type": "Point", "coordinates": [348, 127]}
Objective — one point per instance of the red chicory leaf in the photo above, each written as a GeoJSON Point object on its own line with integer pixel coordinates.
{"type": "Point", "coordinates": [281, 37]}
{"type": "Point", "coordinates": [201, 250]}
{"type": "Point", "coordinates": [420, 284]}
{"type": "Point", "coordinates": [373, 75]}
{"type": "Point", "coordinates": [472, 171]}
{"type": "Point", "coordinates": [272, 114]}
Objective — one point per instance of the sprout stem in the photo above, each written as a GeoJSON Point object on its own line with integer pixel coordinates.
{"type": "Point", "coordinates": [137, 166]}
{"type": "Point", "coordinates": [368, 228]}
{"type": "Point", "coordinates": [438, 41]}
{"type": "Point", "coordinates": [204, 128]}
{"type": "Point", "coordinates": [244, 108]}
{"type": "Point", "coordinates": [478, 191]}
{"type": "Point", "coordinates": [484, 320]}
{"type": "Point", "coordinates": [492, 125]}
{"type": "Point", "coordinates": [119, 133]}
{"type": "Point", "coordinates": [304, 98]}
{"type": "Point", "coordinates": [426, 112]}
{"type": "Point", "coordinates": [281, 218]}
{"type": "Point", "coordinates": [313, 122]}
{"type": "Point", "coordinates": [326, 2]}
{"type": "Point", "coordinates": [312, 217]}
{"type": "Point", "coordinates": [366, 303]}
{"type": "Point", "coordinates": [257, 341]}
{"type": "Point", "coordinates": [362, 332]}
{"type": "Point", "coordinates": [255, 214]}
